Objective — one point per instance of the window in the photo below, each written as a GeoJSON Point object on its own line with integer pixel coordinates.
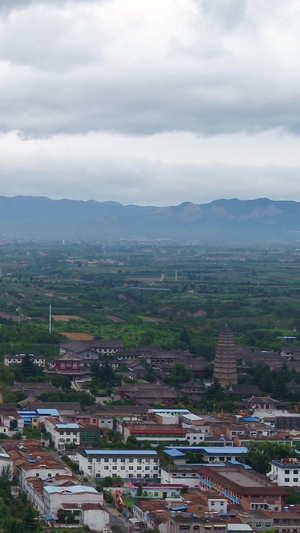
{"type": "Point", "coordinates": [131, 468]}
{"type": "Point", "coordinates": [184, 527]}
{"type": "Point", "coordinates": [286, 479]}
{"type": "Point", "coordinates": [147, 467]}
{"type": "Point", "coordinates": [139, 468]}
{"type": "Point", "coordinates": [295, 471]}
{"type": "Point", "coordinates": [106, 468]}
{"type": "Point", "coordinates": [286, 471]}
{"type": "Point", "coordinates": [97, 475]}
{"type": "Point", "coordinates": [295, 479]}
{"type": "Point", "coordinates": [155, 493]}
{"type": "Point", "coordinates": [114, 468]}
{"type": "Point", "coordinates": [131, 460]}
{"type": "Point", "coordinates": [122, 467]}
{"type": "Point", "coordinates": [139, 475]}
{"type": "Point", "coordinates": [106, 459]}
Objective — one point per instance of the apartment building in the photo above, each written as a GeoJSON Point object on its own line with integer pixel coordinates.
{"type": "Point", "coordinates": [285, 473]}
{"type": "Point", "coordinates": [133, 465]}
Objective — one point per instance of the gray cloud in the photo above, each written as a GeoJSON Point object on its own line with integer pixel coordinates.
{"type": "Point", "coordinates": [208, 67]}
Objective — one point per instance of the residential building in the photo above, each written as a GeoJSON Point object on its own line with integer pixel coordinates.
{"type": "Point", "coordinates": [184, 522]}
{"type": "Point", "coordinates": [62, 434]}
{"type": "Point", "coordinates": [130, 465]}
{"type": "Point", "coordinates": [285, 473]}
{"type": "Point", "coordinates": [55, 497]}
{"type": "Point", "coordinates": [155, 433]}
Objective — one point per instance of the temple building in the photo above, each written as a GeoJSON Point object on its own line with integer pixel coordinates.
{"type": "Point", "coordinates": [225, 369]}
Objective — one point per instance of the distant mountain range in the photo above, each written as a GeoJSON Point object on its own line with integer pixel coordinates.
{"type": "Point", "coordinates": [220, 221]}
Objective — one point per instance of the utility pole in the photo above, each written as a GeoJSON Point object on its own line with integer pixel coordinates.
{"type": "Point", "coordinates": [50, 320]}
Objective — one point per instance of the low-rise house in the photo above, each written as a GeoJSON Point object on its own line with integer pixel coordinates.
{"type": "Point", "coordinates": [256, 519]}
{"type": "Point", "coordinates": [113, 417]}
{"type": "Point", "coordinates": [148, 393]}
{"type": "Point", "coordinates": [11, 422]}
{"type": "Point", "coordinates": [130, 465]}
{"type": "Point", "coordinates": [62, 434]}
{"type": "Point", "coordinates": [155, 433]}
{"type": "Point", "coordinates": [182, 474]}
{"type": "Point", "coordinates": [183, 522]}
{"type": "Point", "coordinates": [55, 497]}
{"type": "Point", "coordinates": [286, 521]}
{"type": "Point", "coordinates": [91, 515]}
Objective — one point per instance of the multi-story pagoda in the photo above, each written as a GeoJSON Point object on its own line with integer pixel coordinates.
{"type": "Point", "coordinates": [225, 369]}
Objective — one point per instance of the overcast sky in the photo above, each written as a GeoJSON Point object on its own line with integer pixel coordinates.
{"type": "Point", "coordinates": [152, 102]}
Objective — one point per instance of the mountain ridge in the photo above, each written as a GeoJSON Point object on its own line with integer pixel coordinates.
{"type": "Point", "coordinates": [222, 220]}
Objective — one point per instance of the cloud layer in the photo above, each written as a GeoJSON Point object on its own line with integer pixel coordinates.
{"type": "Point", "coordinates": [99, 98]}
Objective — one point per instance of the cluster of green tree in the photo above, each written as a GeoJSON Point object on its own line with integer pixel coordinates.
{"type": "Point", "coordinates": [273, 382]}
{"type": "Point", "coordinates": [16, 515]}
{"type": "Point", "coordinates": [18, 335]}
{"type": "Point", "coordinates": [180, 374]}
{"type": "Point", "coordinates": [83, 397]}
{"type": "Point", "coordinates": [260, 454]}
{"type": "Point", "coordinates": [28, 371]}
{"type": "Point", "coordinates": [104, 377]}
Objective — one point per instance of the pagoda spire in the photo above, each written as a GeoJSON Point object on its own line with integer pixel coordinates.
{"type": "Point", "coordinates": [225, 369]}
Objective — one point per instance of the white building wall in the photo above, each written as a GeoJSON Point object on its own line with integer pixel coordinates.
{"type": "Point", "coordinates": [41, 473]}
{"type": "Point", "coordinates": [217, 505]}
{"type": "Point", "coordinates": [96, 519]}
{"type": "Point", "coordinates": [174, 478]}
{"type": "Point", "coordinates": [54, 501]}
{"type": "Point", "coordinates": [125, 467]}
{"type": "Point", "coordinates": [287, 475]}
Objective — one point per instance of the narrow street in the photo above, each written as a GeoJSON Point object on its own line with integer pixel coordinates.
{"type": "Point", "coordinates": [116, 518]}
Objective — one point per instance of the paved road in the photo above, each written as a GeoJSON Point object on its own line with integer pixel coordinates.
{"type": "Point", "coordinates": [117, 519]}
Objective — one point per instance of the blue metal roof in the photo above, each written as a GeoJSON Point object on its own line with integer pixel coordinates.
{"type": "Point", "coordinates": [224, 450]}
{"type": "Point", "coordinates": [174, 453]}
{"type": "Point", "coordinates": [120, 452]}
{"type": "Point", "coordinates": [27, 413]}
{"type": "Point", "coordinates": [73, 489]}
{"type": "Point", "coordinates": [67, 426]}
{"type": "Point", "coordinates": [50, 412]}
{"type": "Point", "coordinates": [250, 419]}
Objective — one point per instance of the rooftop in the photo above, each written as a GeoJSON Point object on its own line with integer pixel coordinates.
{"type": "Point", "coordinates": [71, 489]}
{"type": "Point", "coordinates": [121, 452]}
